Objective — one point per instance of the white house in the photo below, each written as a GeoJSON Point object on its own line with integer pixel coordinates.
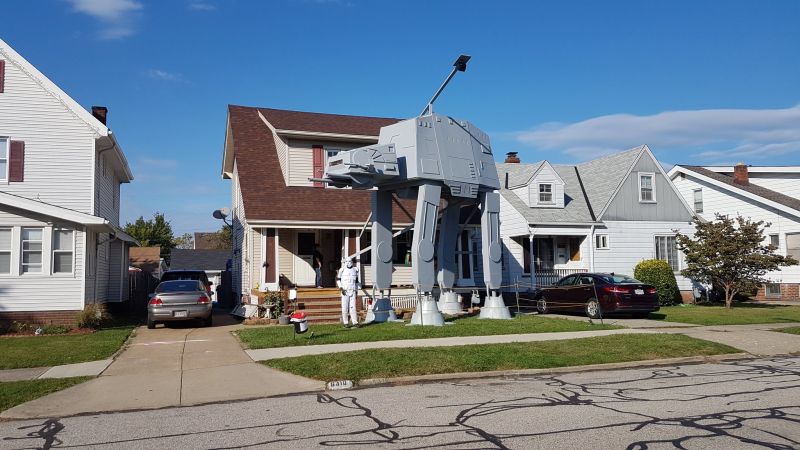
{"type": "Point", "coordinates": [60, 174]}
{"type": "Point", "coordinates": [605, 215]}
{"type": "Point", "coordinates": [770, 193]}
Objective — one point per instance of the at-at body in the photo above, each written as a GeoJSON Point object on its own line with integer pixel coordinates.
{"type": "Point", "coordinates": [429, 158]}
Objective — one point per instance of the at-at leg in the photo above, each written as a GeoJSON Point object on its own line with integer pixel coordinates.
{"type": "Point", "coordinates": [382, 253]}
{"type": "Point", "coordinates": [448, 236]}
{"type": "Point", "coordinates": [493, 307]}
{"type": "Point", "coordinates": [422, 252]}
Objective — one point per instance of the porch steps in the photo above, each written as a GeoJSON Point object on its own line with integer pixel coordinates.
{"type": "Point", "coordinates": [322, 305]}
{"type": "Point", "coordinates": [316, 293]}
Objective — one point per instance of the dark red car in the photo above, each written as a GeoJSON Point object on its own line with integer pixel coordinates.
{"type": "Point", "coordinates": [599, 294]}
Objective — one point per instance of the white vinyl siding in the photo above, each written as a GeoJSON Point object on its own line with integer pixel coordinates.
{"type": "Point", "coordinates": [300, 158]}
{"type": "Point", "coordinates": [239, 275]}
{"type": "Point", "coordinates": [546, 189]}
{"type": "Point", "coordinates": [647, 187]}
{"type": "Point", "coordinates": [721, 200]}
{"type": "Point", "coordinates": [59, 146]}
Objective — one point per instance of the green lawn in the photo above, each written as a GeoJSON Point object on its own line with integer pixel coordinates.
{"type": "Point", "coordinates": [273, 336]}
{"type": "Point", "coordinates": [739, 314]}
{"type": "Point", "coordinates": [41, 351]}
{"type": "Point", "coordinates": [385, 363]}
{"type": "Point", "coordinates": [14, 393]}
{"type": "Point", "coordinates": [790, 330]}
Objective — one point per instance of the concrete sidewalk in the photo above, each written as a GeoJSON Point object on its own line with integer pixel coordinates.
{"type": "Point", "coordinates": [174, 366]}
{"type": "Point", "coordinates": [757, 339]}
{"type": "Point", "coordinates": [287, 352]}
{"type": "Point", "coordinates": [85, 369]}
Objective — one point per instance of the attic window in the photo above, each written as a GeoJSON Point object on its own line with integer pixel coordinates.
{"type": "Point", "coordinates": [647, 193]}
{"type": "Point", "coordinates": [545, 193]}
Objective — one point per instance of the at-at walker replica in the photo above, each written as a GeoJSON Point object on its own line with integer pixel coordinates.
{"type": "Point", "coordinates": [430, 157]}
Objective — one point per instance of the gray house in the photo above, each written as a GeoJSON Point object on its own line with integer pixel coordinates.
{"type": "Point", "coordinates": [603, 215]}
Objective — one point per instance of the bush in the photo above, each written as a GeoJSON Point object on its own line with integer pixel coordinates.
{"type": "Point", "coordinates": [92, 316]}
{"type": "Point", "coordinates": [659, 273]}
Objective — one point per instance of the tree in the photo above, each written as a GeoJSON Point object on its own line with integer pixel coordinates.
{"type": "Point", "coordinates": [154, 232]}
{"type": "Point", "coordinates": [185, 241]}
{"type": "Point", "coordinates": [225, 238]}
{"type": "Point", "coordinates": [731, 254]}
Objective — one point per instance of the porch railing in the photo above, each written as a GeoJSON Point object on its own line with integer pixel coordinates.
{"type": "Point", "coordinates": [405, 301]}
{"type": "Point", "coordinates": [548, 277]}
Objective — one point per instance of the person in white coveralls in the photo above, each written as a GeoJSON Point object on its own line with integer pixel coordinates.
{"type": "Point", "coordinates": [347, 280]}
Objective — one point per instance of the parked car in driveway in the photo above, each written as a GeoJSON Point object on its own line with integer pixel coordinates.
{"type": "Point", "coordinates": [598, 294]}
{"type": "Point", "coordinates": [179, 300]}
{"type": "Point", "coordinates": [199, 275]}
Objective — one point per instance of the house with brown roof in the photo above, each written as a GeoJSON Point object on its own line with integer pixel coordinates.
{"type": "Point", "coordinates": [279, 215]}
{"type": "Point", "coordinates": [768, 193]}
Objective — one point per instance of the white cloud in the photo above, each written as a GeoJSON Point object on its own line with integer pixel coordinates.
{"type": "Point", "coordinates": [706, 134]}
{"type": "Point", "coordinates": [163, 75]}
{"type": "Point", "coordinates": [116, 16]}
{"type": "Point", "coordinates": [202, 6]}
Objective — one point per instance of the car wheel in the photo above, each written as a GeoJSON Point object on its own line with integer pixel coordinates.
{"type": "Point", "coordinates": [207, 322]}
{"type": "Point", "coordinates": [593, 309]}
{"type": "Point", "coordinates": [151, 323]}
{"type": "Point", "coordinates": [541, 306]}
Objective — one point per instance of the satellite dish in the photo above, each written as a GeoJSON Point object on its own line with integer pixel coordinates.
{"type": "Point", "coordinates": [221, 213]}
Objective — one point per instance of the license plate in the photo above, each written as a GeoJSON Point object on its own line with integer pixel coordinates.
{"type": "Point", "coordinates": [181, 313]}
{"type": "Point", "coordinates": [639, 291]}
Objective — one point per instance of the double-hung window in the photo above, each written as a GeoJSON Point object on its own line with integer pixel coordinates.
{"type": "Point", "coordinates": [545, 193]}
{"type": "Point", "coordinates": [601, 241]}
{"type": "Point", "coordinates": [667, 249]}
{"type": "Point", "coordinates": [647, 187]}
{"type": "Point", "coordinates": [5, 251]}
{"type": "Point", "coordinates": [3, 159]}
{"type": "Point", "coordinates": [31, 250]}
{"type": "Point", "coordinates": [63, 247]}
{"type": "Point", "coordinates": [698, 200]}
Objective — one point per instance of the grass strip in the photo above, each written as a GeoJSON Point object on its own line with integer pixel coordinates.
{"type": "Point", "coordinates": [55, 350]}
{"type": "Point", "coordinates": [386, 363]}
{"type": "Point", "coordinates": [14, 393]}
{"type": "Point", "coordinates": [274, 336]}
{"type": "Point", "coordinates": [739, 314]}
{"type": "Point", "coordinates": [790, 330]}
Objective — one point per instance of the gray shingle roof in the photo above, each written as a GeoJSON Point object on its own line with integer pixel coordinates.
{"type": "Point", "coordinates": [182, 259]}
{"type": "Point", "coordinates": [763, 192]}
{"type": "Point", "coordinates": [601, 178]}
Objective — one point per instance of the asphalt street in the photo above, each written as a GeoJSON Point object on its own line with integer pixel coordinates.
{"type": "Point", "coordinates": [741, 404]}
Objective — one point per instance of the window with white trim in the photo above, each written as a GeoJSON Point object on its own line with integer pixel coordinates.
{"type": "Point", "coordinates": [772, 290]}
{"type": "Point", "coordinates": [32, 250]}
{"type": "Point", "coordinates": [793, 245]}
{"type": "Point", "coordinates": [775, 241]}
{"type": "Point", "coordinates": [601, 242]}
{"type": "Point", "coordinates": [647, 187]}
{"type": "Point", "coordinates": [3, 159]}
{"type": "Point", "coordinates": [5, 251]}
{"type": "Point", "coordinates": [667, 249]}
{"type": "Point", "coordinates": [698, 200]}
{"type": "Point", "coordinates": [63, 250]}
{"type": "Point", "coordinates": [545, 193]}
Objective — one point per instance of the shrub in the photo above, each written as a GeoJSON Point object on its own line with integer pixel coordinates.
{"type": "Point", "coordinates": [92, 316]}
{"type": "Point", "coordinates": [659, 273]}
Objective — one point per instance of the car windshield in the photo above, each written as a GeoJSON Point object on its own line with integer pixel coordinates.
{"type": "Point", "coordinates": [620, 279]}
{"type": "Point", "coordinates": [179, 286]}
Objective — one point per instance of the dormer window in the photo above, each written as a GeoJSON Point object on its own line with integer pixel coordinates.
{"type": "Point", "coordinates": [545, 193]}
{"type": "Point", "coordinates": [647, 183]}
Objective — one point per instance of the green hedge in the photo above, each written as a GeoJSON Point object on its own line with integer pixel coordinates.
{"type": "Point", "coordinates": [659, 273]}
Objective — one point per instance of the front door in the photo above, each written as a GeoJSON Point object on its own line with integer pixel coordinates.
{"type": "Point", "coordinates": [304, 262]}
{"type": "Point", "coordinates": [464, 258]}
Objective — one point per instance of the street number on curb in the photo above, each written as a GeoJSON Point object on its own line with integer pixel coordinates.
{"type": "Point", "coordinates": [340, 385]}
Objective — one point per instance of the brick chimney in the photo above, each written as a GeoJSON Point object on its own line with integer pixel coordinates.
{"type": "Point", "coordinates": [100, 113]}
{"type": "Point", "coordinates": [511, 157]}
{"type": "Point", "coordinates": [740, 175]}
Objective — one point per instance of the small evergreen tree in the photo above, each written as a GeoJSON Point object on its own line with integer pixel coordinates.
{"type": "Point", "coordinates": [154, 232]}
{"type": "Point", "coordinates": [659, 273]}
{"type": "Point", "coordinates": [731, 254]}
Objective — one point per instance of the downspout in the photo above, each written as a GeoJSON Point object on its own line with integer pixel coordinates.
{"type": "Point", "coordinates": [533, 258]}
{"type": "Point", "coordinates": [591, 249]}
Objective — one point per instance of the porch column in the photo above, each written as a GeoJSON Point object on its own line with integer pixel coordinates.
{"type": "Point", "coordinates": [533, 259]}
{"type": "Point", "coordinates": [270, 257]}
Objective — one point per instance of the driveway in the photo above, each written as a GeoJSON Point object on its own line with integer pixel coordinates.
{"type": "Point", "coordinates": [175, 365]}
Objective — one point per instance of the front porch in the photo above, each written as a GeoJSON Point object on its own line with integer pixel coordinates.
{"type": "Point", "coordinates": [545, 259]}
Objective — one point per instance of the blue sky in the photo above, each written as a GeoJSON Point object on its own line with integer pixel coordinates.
{"type": "Point", "coordinates": [700, 82]}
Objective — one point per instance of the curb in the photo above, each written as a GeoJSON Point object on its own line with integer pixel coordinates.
{"type": "Point", "coordinates": [400, 381]}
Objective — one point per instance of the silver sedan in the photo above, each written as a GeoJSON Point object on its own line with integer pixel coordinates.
{"type": "Point", "coordinates": [179, 300]}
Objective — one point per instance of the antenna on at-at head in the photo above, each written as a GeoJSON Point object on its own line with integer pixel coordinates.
{"type": "Point", "coordinates": [459, 66]}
